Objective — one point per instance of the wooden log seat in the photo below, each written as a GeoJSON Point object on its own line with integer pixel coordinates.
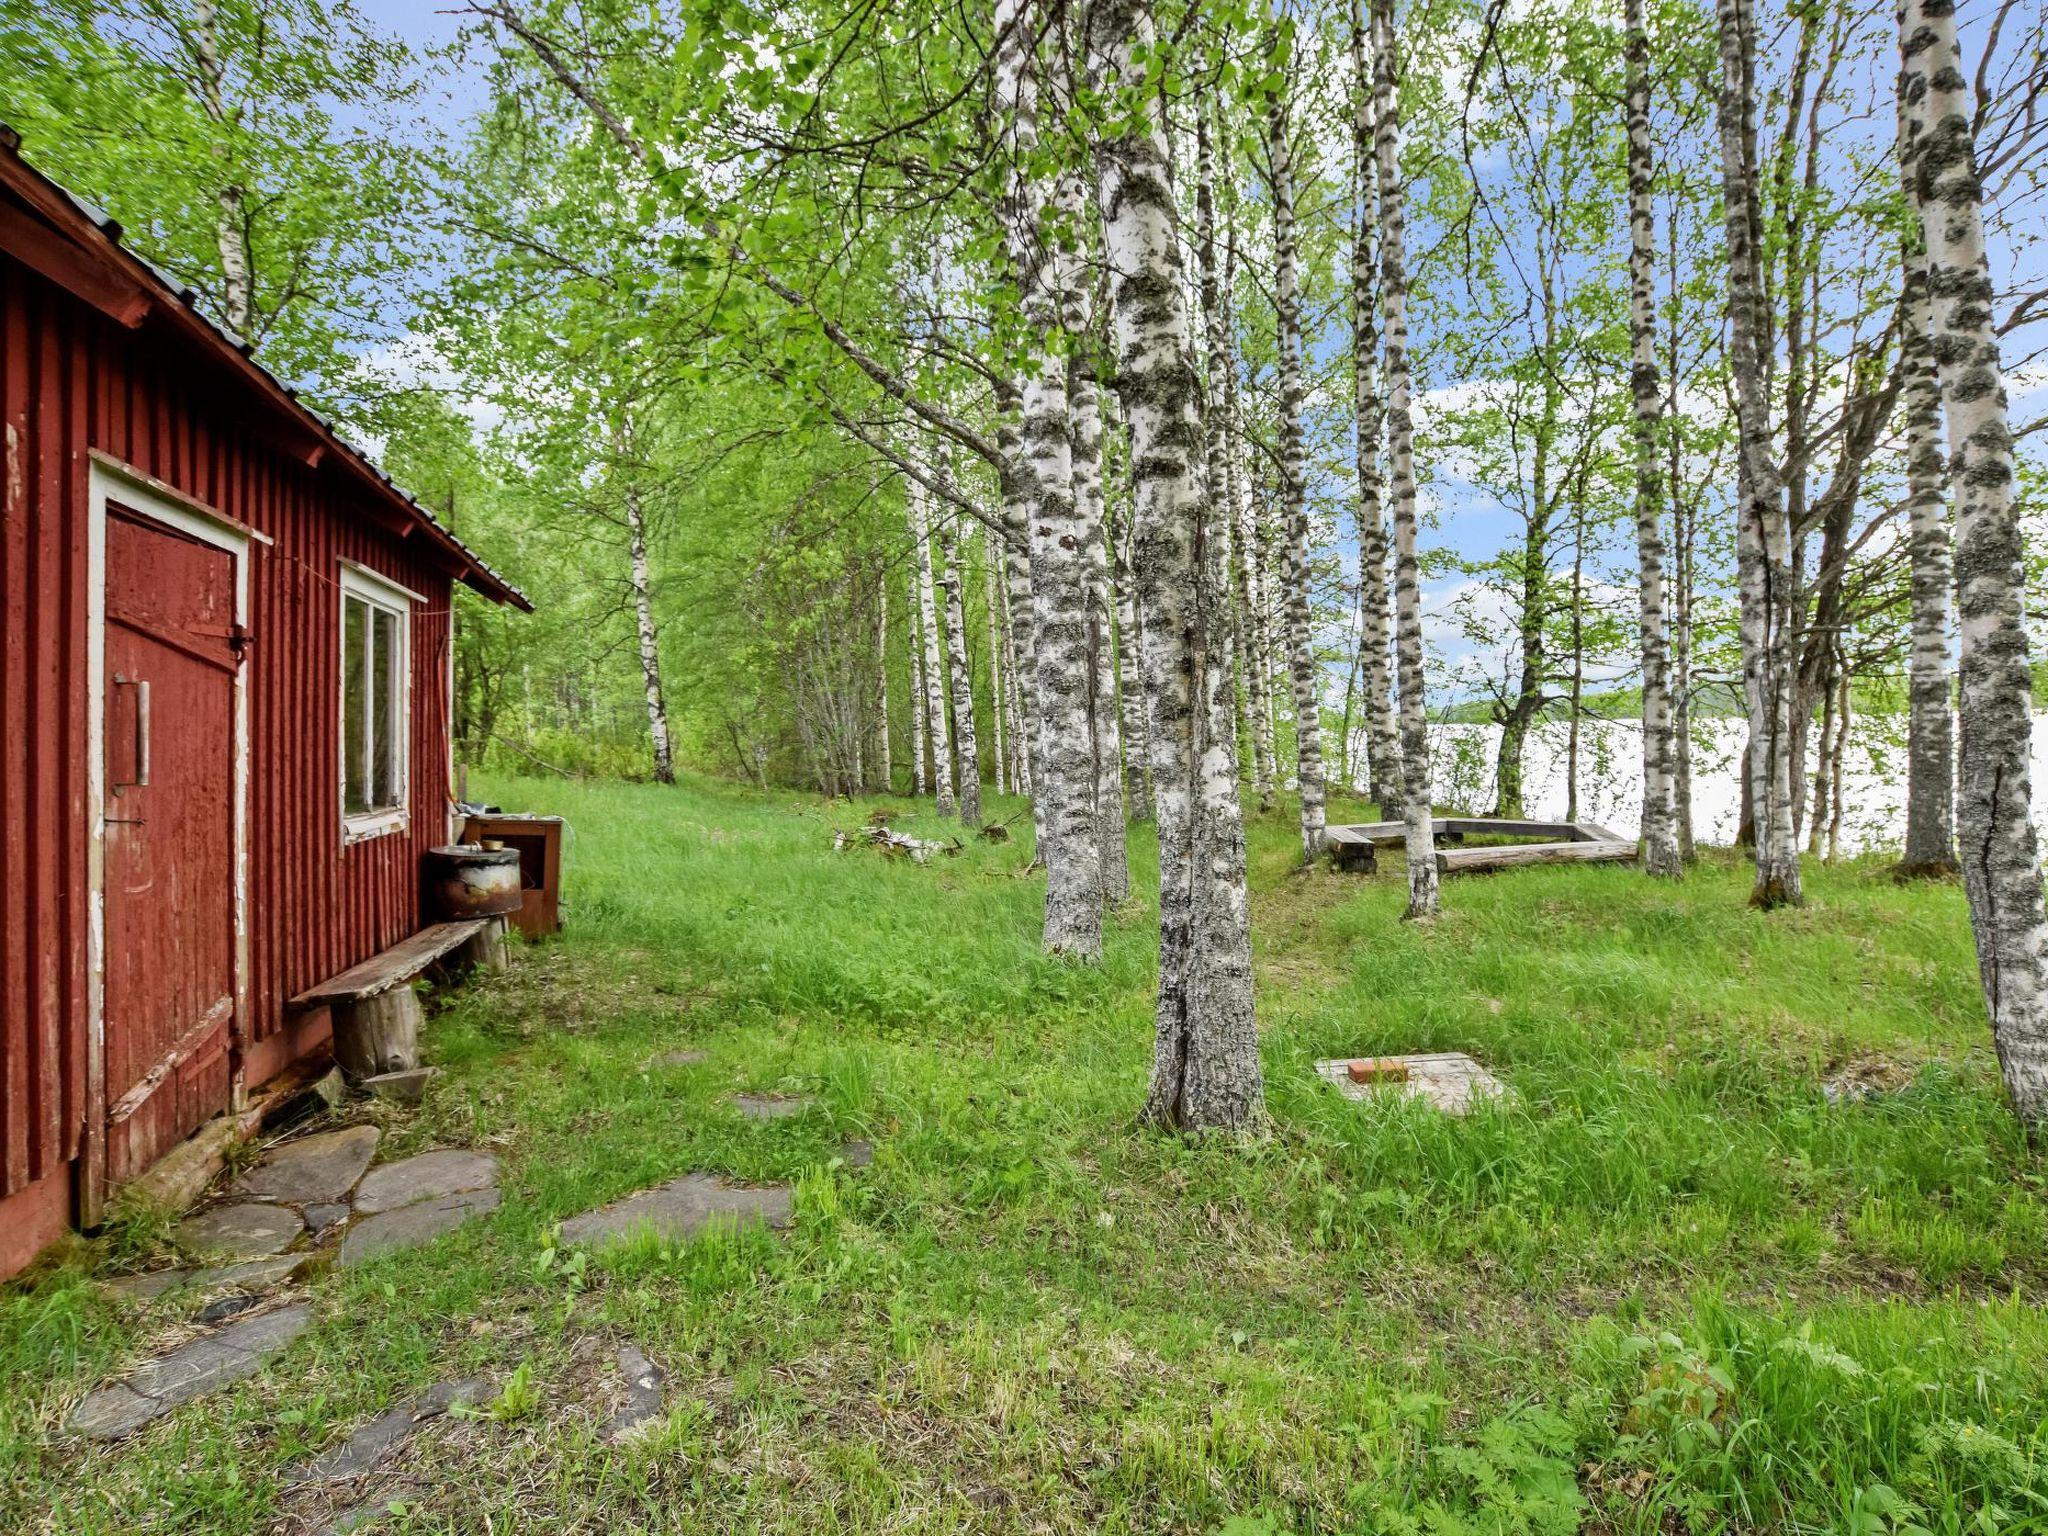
{"type": "Point", "coordinates": [376, 1012]}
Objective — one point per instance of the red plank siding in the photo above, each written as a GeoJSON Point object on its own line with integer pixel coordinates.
{"type": "Point", "coordinates": [73, 382]}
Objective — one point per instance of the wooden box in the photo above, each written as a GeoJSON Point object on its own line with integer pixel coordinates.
{"type": "Point", "coordinates": [538, 840]}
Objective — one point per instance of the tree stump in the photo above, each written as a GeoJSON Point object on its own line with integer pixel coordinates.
{"type": "Point", "coordinates": [486, 951]}
{"type": "Point", "coordinates": [375, 1035]}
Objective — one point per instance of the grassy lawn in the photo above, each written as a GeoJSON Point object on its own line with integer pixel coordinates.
{"type": "Point", "coordinates": [1669, 1286]}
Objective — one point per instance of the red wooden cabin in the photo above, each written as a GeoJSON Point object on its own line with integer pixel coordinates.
{"type": "Point", "coordinates": [225, 675]}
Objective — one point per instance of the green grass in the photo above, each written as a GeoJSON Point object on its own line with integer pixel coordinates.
{"type": "Point", "coordinates": [1668, 1287]}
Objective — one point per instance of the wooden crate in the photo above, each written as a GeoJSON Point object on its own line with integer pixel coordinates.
{"type": "Point", "coordinates": [539, 842]}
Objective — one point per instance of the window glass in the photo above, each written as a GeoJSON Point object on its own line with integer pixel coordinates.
{"type": "Point", "coordinates": [355, 714]}
{"type": "Point", "coordinates": [384, 707]}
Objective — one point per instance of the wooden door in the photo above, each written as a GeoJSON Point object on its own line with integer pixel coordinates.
{"type": "Point", "coordinates": [169, 1001]}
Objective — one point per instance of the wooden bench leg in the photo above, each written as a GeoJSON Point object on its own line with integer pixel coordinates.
{"type": "Point", "coordinates": [380, 1034]}
{"type": "Point", "coordinates": [485, 952]}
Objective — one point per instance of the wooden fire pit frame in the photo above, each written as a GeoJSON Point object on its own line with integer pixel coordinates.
{"type": "Point", "coordinates": [1355, 846]}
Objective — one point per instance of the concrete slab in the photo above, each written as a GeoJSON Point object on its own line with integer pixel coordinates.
{"type": "Point", "coordinates": [1450, 1080]}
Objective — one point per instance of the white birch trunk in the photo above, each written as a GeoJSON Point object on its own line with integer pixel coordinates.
{"type": "Point", "coordinates": [1660, 815]}
{"type": "Point", "coordinates": [885, 771]}
{"type": "Point", "coordinates": [1296, 615]}
{"type": "Point", "coordinates": [1382, 734]}
{"type": "Point", "coordinates": [1930, 850]}
{"type": "Point", "coordinates": [1763, 533]}
{"type": "Point", "coordinates": [933, 697]}
{"type": "Point", "coordinates": [1205, 1070]}
{"type": "Point", "coordinates": [238, 283]}
{"type": "Point", "coordinates": [1424, 896]}
{"type": "Point", "coordinates": [1248, 576]}
{"type": "Point", "coordinates": [951, 577]}
{"type": "Point", "coordinates": [650, 641]}
{"type": "Point", "coordinates": [918, 744]}
{"type": "Point", "coordinates": [998, 667]}
{"type": "Point", "coordinates": [1085, 410]}
{"type": "Point", "coordinates": [1137, 733]}
{"type": "Point", "coordinates": [1064, 772]}
{"type": "Point", "coordinates": [2001, 864]}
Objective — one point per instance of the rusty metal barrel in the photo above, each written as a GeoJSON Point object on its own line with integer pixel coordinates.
{"type": "Point", "coordinates": [464, 882]}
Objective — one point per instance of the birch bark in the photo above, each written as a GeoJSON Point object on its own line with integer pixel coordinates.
{"type": "Point", "coordinates": [1085, 409]}
{"type": "Point", "coordinates": [1382, 739]}
{"type": "Point", "coordinates": [1763, 534]}
{"type": "Point", "coordinates": [1424, 897]}
{"type": "Point", "coordinates": [1297, 618]}
{"type": "Point", "coordinates": [1930, 726]}
{"type": "Point", "coordinates": [884, 770]}
{"type": "Point", "coordinates": [1247, 574]}
{"type": "Point", "coordinates": [2001, 865]}
{"type": "Point", "coordinates": [933, 697]}
{"type": "Point", "coordinates": [918, 745]}
{"type": "Point", "coordinates": [650, 640]}
{"type": "Point", "coordinates": [237, 279]}
{"type": "Point", "coordinates": [1660, 819]}
{"type": "Point", "coordinates": [998, 666]}
{"type": "Point", "coordinates": [951, 576]}
{"type": "Point", "coordinates": [1064, 773]}
{"type": "Point", "coordinates": [1205, 1070]}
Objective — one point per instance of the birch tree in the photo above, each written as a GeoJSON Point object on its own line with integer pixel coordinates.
{"type": "Point", "coordinates": [1063, 777]}
{"type": "Point", "coordinates": [932, 698]}
{"type": "Point", "coordinates": [2001, 864]}
{"type": "Point", "coordinates": [1205, 1070]}
{"type": "Point", "coordinates": [644, 627]}
{"type": "Point", "coordinates": [1930, 850]}
{"type": "Point", "coordinates": [1660, 820]}
{"type": "Point", "coordinates": [1303, 673]}
{"type": "Point", "coordinates": [1763, 533]}
{"type": "Point", "coordinates": [1424, 898]}
{"type": "Point", "coordinates": [952, 577]}
{"type": "Point", "coordinates": [1382, 739]}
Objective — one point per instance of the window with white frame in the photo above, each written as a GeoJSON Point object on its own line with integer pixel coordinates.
{"type": "Point", "coordinates": [375, 630]}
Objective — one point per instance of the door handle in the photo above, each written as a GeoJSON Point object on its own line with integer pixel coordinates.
{"type": "Point", "coordinates": [141, 687]}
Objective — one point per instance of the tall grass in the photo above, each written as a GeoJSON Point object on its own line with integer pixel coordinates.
{"type": "Point", "coordinates": [1669, 1284]}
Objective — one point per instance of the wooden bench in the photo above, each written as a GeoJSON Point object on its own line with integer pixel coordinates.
{"type": "Point", "coordinates": [376, 1014]}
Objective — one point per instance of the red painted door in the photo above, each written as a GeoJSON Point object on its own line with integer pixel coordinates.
{"type": "Point", "coordinates": [170, 857]}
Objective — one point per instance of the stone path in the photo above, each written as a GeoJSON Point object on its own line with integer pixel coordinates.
{"type": "Point", "coordinates": [305, 1190]}
{"type": "Point", "coordinates": [680, 1059]}
{"type": "Point", "coordinates": [770, 1106]}
{"type": "Point", "coordinates": [681, 1208]}
{"type": "Point", "coordinates": [157, 1386]}
{"type": "Point", "coordinates": [1450, 1080]}
{"type": "Point", "coordinates": [313, 1169]}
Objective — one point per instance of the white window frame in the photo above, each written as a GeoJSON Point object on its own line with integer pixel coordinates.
{"type": "Point", "coordinates": [367, 586]}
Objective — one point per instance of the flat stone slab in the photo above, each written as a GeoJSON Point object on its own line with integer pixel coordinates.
{"type": "Point", "coordinates": [681, 1208]}
{"type": "Point", "coordinates": [191, 1370]}
{"type": "Point", "coordinates": [362, 1452]}
{"type": "Point", "coordinates": [410, 1225]}
{"type": "Point", "coordinates": [680, 1059]}
{"type": "Point", "coordinates": [640, 1394]}
{"type": "Point", "coordinates": [252, 1274]}
{"type": "Point", "coordinates": [406, 1087]}
{"type": "Point", "coordinates": [770, 1106]}
{"type": "Point", "coordinates": [245, 1229]}
{"type": "Point", "coordinates": [856, 1153]}
{"type": "Point", "coordinates": [313, 1168]}
{"type": "Point", "coordinates": [319, 1218]}
{"type": "Point", "coordinates": [429, 1176]}
{"type": "Point", "coordinates": [1449, 1080]}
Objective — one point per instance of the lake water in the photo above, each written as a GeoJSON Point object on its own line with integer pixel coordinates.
{"type": "Point", "coordinates": [1611, 785]}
